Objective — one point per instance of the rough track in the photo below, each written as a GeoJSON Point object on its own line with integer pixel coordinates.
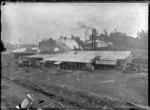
{"type": "Point", "coordinates": [46, 105]}
{"type": "Point", "coordinates": [86, 99]}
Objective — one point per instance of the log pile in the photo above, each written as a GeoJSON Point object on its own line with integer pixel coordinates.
{"type": "Point", "coordinates": [137, 65]}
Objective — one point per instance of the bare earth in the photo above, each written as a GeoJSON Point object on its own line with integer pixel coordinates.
{"type": "Point", "coordinates": [132, 87]}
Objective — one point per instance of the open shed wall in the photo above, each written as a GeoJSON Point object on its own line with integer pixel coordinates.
{"type": "Point", "coordinates": [21, 54]}
{"type": "Point", "coordinates": [83, 66]}
{"type": "Point", "coordinates": [38, 57]}
{"type": "Point", "coordinates": [73, 65]}
{"type": "Point", "coordinates": [120, 64]}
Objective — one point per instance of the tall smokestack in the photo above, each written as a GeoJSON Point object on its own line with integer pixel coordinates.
{"type": "Point", "coordinates": [94, 34]}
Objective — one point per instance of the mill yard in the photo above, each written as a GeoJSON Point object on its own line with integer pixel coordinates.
{"type": "Point", "coordinates": [71, 56]}
{"type": "Point", "coordinates": [69, 86]}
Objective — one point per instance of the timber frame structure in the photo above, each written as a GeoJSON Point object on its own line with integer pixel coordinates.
{"type": "Point", "coordinates": [85, 60]}
{"type": "Point", "coordinates": [91, 60]}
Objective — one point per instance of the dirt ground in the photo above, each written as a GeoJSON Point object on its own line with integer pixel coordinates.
{"type": "Point", "coordinates": [13, 94]}
{"type": "Point", "coordinates": [132, 87]}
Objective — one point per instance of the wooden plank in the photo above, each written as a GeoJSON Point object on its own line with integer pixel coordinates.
{"type": "Point", "coordinates": [108, 97]}
{"type": "Point", "coordinates": [136, 105]}
{"type": "Point", "coordinates": [124, 66]}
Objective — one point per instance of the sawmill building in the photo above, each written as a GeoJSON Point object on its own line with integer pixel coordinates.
{"type": "Point", "coordinates": [82, 60]}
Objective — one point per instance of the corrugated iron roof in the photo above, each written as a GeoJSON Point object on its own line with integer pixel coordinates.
{"type": "Point", "coordinates": [87, 56]}
{"type": "Point", "coordinates": [42, 61]}
{"type": "Point", "coordinates": [40, 56]}
{"type": "Point", "coordinates": [57, 63]}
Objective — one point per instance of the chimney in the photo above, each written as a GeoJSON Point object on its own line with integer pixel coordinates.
{"type": "Point", "coordinates": [94, 34]}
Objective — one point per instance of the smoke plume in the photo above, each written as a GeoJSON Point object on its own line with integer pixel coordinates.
{"type": "Point", "coordinates": [82, 25]}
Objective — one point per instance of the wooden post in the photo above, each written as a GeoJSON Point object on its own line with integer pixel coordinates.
{"type": "Point", "coordinates": [79, 65]}
{"type": "Point", "coordinates": [124, 66]}
{"type": "Point", "coordinates": [76, 66]}
{"type": "Point", "coordinates": [63, 66]}
{"type": "Point", "coordinates": [141, 68]}
{"type": "Point", "coordinates": [71, 65]}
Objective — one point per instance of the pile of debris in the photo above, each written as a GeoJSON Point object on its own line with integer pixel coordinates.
{"type": "Point", "coordinates": [137, 65]}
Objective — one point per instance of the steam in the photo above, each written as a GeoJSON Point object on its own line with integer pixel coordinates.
{"type": "Point", "coordinates": [82, 25]}
{"type": "Point", "coordinates": [68, 43]}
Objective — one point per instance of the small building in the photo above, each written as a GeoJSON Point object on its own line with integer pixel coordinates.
{"type": "Point", "coordinates": [35, 49]}
{"type": "Point", "coordinates": [16, 55]}
{"type": "Point", "coordinates": [37, 57]}
{"type": "Point", "coordinates": [56, 49]}
{"type": "Point", "coordinates": [20, 50]}
{"type": "Point", "coordinates": [99, 44]}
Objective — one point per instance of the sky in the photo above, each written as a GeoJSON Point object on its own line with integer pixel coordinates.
{"type": "Point", "coordinates": [31, 21]}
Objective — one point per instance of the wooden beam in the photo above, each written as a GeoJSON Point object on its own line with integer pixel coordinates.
{"type": "Point", "coordinates": [124, 66]}
{"type": "Point", "coordinates": [137, 105]}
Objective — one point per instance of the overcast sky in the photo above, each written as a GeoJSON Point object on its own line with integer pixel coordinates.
{"type": "Point", "coordinates": [29, 21]}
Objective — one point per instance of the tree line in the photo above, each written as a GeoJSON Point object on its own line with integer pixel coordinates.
{"type": "Point", "coordinates": [122, 40]}
{"type": "Point", "coordinates": [119, 39]}
{"type": "Point", "coordinates": [47, 44]}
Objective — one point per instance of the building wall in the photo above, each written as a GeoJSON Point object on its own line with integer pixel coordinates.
{"type": "Point", "coordinates": [35, 60]}
{"type": "Point", "coordinates": [17, 55]}
{"type": "Point", "coordinates": [120, 64]}
{"type": "Point", "coordinates": [104, 67]}
{"type": "Point", "coordinates": [85, 66]}
{"type": "Point", "coordinates": [101, 44]}
{"type": "Point", "coordinates": [82, 66]}
{"type": "Point", "coordinates": [73, 65]}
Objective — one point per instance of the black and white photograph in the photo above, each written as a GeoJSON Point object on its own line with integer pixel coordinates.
{"type": "Point", "coordinates": [74, 55]}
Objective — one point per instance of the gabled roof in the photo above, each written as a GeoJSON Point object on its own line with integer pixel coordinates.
{"type": "Point", "coordinates": [88, 56]}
